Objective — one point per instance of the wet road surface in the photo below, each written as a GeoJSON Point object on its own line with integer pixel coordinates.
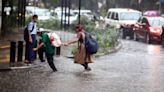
{"type": "Point", "coordinates": [137, 67]}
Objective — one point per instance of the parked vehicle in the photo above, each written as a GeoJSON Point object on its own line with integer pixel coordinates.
{"type": "Point", "coordinates": [43, 14]}
{"type": "Point", "coordinates": [122, 18]}
{"type": "Point", "coordinates": [68, 17]}
{"type": "Point", "coordinates": [152, 13]}
{"type": "Point", "coordinates": [162, 36]}
{"type": "Point", "coordinates": [86, 13]}
{"type": "Point", "coordinates": [149, 29]}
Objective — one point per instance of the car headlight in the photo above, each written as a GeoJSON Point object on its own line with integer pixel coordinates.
{"type": "Point", "coordinates": [155, 30]}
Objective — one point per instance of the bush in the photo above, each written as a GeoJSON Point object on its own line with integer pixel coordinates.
{"type": "Point", "coordinates": [107, 38]}
{"type": "Point", "coordinates": [49, 24]}
{"type": "Point", "coordinates": [88, 25]}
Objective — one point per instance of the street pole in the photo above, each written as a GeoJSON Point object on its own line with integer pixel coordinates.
{"type": "Point", "coordinates": [69, 7]}
{"type": "Point", "coordinates": [65, 13]}
{"type": "Point", "coordinates": [24, 11]}
{"type": "Point", "coordinates": [61, 25]}
{"type": "Point", "coordinates": [79, 10]}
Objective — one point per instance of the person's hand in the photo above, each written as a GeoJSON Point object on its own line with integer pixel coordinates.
{"type": "Point", "coordinates": [65, 44]}
{"type": "Point", "coordinates": [30, 40]}
{"type": "Point", "coordinates": [35, 49]}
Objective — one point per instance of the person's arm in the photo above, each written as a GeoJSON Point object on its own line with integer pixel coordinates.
{"type": "Point", "coordinates": [30, 38]}
{"type": "Point", "coordinates": [73, 40]}
{"type": "Point", "coordinates": [40, 45]}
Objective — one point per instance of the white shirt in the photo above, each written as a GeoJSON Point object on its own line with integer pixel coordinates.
{"type": "Point", "coordinates": [30, 26]}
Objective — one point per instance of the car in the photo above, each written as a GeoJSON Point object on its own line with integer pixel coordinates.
{"type": "Point", "coordinates": [87, 13]}
{"type": "Point", "coordinates": [149, 28]}
{"type": "Point", "coordinates": [162, 37]}
{"type": "Point", "coordinates": [43, 14]}
{"type": "Point", "coordinates": [68, 17]}
{"type": "Point", "coordinates": [152, 13]}
{"type": "Point", "coordinates": [122, 18]}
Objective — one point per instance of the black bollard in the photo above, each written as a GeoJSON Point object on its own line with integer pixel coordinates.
{"type": "Point", "coordinates": [20, 51]}
{"type": "Point", "coordinates": [12, 51]}
{"type": "Point", "coordinates": [58, 49]}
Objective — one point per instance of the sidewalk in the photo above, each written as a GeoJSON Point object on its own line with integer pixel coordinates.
{"type": "Point", "coordinates": [5, 51]}
{"type": "Point", "coordinates": [65, 52]}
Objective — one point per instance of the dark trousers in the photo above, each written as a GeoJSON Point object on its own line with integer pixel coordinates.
{"type": "Point", "coordinates": [41, 52]}
{"type": "Point", "coordinates": [31, 53]}
{"type": "Point", "coordinates": [26, 50]}
{"type": "Point", "coordinates": [50, 61]}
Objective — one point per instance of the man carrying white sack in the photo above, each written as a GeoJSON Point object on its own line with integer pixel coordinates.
{"type": "Point", "coordinates": [50, 41]}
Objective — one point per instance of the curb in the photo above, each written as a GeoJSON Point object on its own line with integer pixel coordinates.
{"type": "Point", "coordinates": [15, 66]}
{"type": "Point", "coordinates": [25, 66]}
{"type": "Point", "coordinates": [112, 50]}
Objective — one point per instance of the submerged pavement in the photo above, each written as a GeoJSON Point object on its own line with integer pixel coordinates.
{"type": "Point", "coordinates": [137, 67]}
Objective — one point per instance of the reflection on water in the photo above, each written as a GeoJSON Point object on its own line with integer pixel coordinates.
{"type": "Point", "coordinates": [154, 49]}
{"type": "Point", "coordinates": [154, 66]}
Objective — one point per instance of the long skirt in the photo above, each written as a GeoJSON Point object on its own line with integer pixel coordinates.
{"type": "Point", "coordinates": [81, 56]}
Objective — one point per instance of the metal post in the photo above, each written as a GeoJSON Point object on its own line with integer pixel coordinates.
{"type": "Point", "coordinates": [24, 11]}
{"type": "Point", "coordinates": [61, 25]}
{"type": "Point", "coordinates": [12, 51]}
{"type": "Point", "coordinates": [19, 12]}
{"type": "Point", "coordinates": [20, 51]}
{"type": "Point", "coordinates": [69, 7]}
{"type": "Point", "coordinates": [65, 14]}
{"type": "Point", "coordinates": [58, 49]}
{"type": "Point", "coordinates": [79, 10]}
{"type": "Point", "coordinates": [3, 27]}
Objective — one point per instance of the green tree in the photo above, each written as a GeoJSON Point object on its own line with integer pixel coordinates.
{"type": "Point", "coordinates": [50, 3]}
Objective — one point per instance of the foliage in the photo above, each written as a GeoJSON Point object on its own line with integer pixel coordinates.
{"type": "Point", "coordinates": [50, 3]}
{"type": "Point", "coordinates": [107, 38]}
{"type": "Point", "coordinates": [49, 24]}
{"type": "Point", "coordinates": [85, 22]}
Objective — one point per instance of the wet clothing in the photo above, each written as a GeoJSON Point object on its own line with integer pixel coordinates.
{"type": "Point", "coordinates": [41, 52]}
{"type": "Point", "coordinates": [48, 47]}
{"type": "Point", "coordinates": [26, 50]}
{"type": "Point", "coordinates": [30, 27]}
{"type": "Point", "coordinates": [85, 58]}
{"type": "Point", "coordinates": [50, 50]}
{"type": "Point", "coordinates": [30, 54]}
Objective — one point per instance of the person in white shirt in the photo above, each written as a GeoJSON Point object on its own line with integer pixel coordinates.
{"type": "Point", "coordinates": [32, 28]}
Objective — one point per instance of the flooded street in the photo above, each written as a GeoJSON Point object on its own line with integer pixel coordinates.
{"type": "Point", "coordinates": [137, 67]}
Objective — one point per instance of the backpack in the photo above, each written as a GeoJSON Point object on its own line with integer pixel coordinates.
{"type": "Point", "coordinates": [26, 34]}
{"type": "Point", "coordinates": [91, 44]}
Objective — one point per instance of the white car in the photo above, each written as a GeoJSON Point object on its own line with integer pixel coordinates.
{"type": "Point", "coordinates": [86, 13]}
{"type": "Point", "coordinates": [43, 14]}
{"type": "Point", "coordinates": [123, 19]}
{"type": "Point", "coordinates": [118, 16]}
{"type": "Point", "coordinates": [67, 17]}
